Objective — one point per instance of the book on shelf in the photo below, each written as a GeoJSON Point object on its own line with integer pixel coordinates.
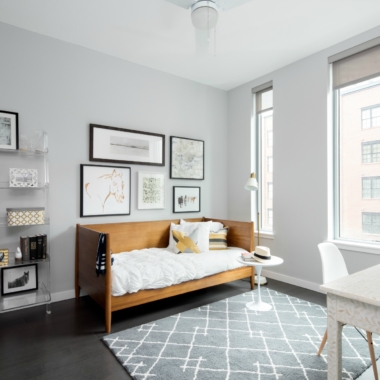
{"type": "Point", "coordinates": [39, 246]}
{"type": "Point", "coordinates": [33, 247]}
{"type": "Point", "coordinates": [44, 246]}
{"type": "Point", "coordinates": [24, 246]}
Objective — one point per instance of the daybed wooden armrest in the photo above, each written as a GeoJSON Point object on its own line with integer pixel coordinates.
{"type": "Point", "coordinates": [124, 237]}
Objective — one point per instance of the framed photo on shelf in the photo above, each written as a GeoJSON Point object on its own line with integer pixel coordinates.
{"type": "Point", "coordinates": [23, 177]}
{"type": "Point", "coordinates": [18, 279]}
{"type": "Point", "coordinates": [4, 257]}
{"type": "Point", "coordinates": [186, 158]}
{"type": "Point", "coordinates": [126, 146]}
{"type": "Point", "coordinates": [105, 190]}
{"type": "Point", "coordinates": [186, 199]}
{"type": "Point", "coordinates": [8, 130]}
{"type": "Point", "coordinates": [151, 190]}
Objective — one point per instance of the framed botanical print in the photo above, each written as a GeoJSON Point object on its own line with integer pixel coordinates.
{"type": "Point", "coordinates": [126, 146]}
{"type": "Point", "coordinates": [186, 199]}
{"type": "Point", "coordinates": [186, 158]}
{"type": "Point", "coordinates": [105, 190]}
{"type": "Point", "coordinates": [151, 190]}
{"type": "Point", "coordinates": [8, 130]}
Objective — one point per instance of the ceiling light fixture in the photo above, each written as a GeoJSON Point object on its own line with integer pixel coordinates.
{"type": "Point", "coordinates": [204, 15]}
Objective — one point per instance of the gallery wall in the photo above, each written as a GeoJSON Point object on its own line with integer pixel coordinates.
{"type": "Point", "coordinates": [62, 88]}
{"type": "Point", "coordinates": [301, 179]}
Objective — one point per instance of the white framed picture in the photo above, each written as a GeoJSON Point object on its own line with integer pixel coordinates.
{"type": "Point", "coordinates": [23, 177]}
{"type": "Point", "coordinates": [105, 190]}
{"type": "Point", "coordinates": [8, 130]}
{"type": "Point", "coordinates": [186, 199]}
{"type": "Point", "coordinates": [151, 190]}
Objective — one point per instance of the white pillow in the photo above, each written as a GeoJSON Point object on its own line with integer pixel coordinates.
{"type": "Point", "coordinates": [215, 226]}
{"type": "Point", "coordinates": [188, 228]}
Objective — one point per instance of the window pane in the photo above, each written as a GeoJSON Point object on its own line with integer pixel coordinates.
{"type": "Point", "coordinates": [358, 154]}
{"type": "Point", "coordinates": [267, 100]}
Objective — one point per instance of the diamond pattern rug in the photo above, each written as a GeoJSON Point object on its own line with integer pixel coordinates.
{"type": "Point", "coordinates": [224, 340]}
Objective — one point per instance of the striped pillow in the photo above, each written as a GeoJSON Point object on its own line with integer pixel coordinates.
{"type": "Point", "coordinates": [218, 240]}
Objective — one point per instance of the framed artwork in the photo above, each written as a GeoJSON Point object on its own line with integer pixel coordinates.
{"type": "Point", "coordinates": [151, 190]}
{"type": "Point", "coordinates": [105, 190]}
{"type": "Point", "coordinates": [125, 146]}
{"type": "Point", "coordinates": [186, 158]}
{"type": "Point", "coordinates": [23, 177]}
{"type": "Point", "coordinates": [8, 130]}
{"type": "Point", "coordinates": [18, 279]}
{"type": "Point", "coordinates": [186, 199]}
{"type": "Point", "coordinates": [4, 254]}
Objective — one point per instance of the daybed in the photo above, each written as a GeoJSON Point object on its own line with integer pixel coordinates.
{"type": "Point", "coordinates": [124, 237]}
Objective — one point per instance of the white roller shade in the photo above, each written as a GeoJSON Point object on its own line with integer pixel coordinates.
{"type": "Point", "coordinates": [356, 68]}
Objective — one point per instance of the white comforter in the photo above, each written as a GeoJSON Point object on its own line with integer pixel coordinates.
{"type": "Point", "coordinates": [156, 268]}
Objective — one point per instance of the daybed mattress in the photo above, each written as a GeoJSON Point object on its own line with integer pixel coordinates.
{"type": "Point", "coordinates": [157, 268]}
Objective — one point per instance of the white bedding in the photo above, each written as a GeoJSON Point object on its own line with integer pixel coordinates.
{"type": "Point", "coordinates": [156, 268]}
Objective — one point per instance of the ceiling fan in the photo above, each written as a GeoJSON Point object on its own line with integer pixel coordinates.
{"type": "Point", "coordinates": [204, 16]}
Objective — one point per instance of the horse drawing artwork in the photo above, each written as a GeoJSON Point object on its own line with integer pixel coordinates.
{"type": "Point", "coordinates": [18, 282]}
{"type": "Point", "coordinates": [106, 186]}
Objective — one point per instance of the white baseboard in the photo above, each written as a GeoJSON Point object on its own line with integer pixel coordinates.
{"type": "Point", "coordinates": [292, 280]}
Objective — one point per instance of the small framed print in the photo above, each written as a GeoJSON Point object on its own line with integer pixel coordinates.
{"type": "Point", "coordinates": [186, 199]}
{"type": "Point", "coordinates": [8, 130]}
{"type": "Point", "coordinates": [4, 254]}
{"type": "Point", "coordinates": [105, 190]}
{"type": "Point", "coordinates": [186, 158]}
{"type": "Point", "coordinates": [126, 146]}
{"type": "Point", "coordinates": [18, 279]}
{"type": "Point", "coordinates": [23, 177]}
{"type": "Point", "coordinates": [151, 190]}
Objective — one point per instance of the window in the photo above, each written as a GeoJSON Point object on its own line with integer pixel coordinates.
{"type": "Point", "coordinates": [270, 190]}
{"type": "Point", "coordinates": [371, 187]}
{"type": "Point", "coordinates": [371, 117]}
{"type": "Point", "coordinates": [270, 216]}
{"type": "Point", "coordinates": [371, 223]}
{"type": "Point", "coordinates": [262, 150]}
{"type": "Point", "coordinates": [370, 152]}
{"type": "Point", "coordinates": [356, 143]}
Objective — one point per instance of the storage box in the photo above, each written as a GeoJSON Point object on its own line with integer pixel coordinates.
{"type": "Point", "coordinates": [25, 216]}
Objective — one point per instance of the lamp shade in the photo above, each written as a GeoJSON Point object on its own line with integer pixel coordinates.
{"type": "Point", "coordinates": [252, 184]}
{"type": "Point", "coordinates": [204, 15]}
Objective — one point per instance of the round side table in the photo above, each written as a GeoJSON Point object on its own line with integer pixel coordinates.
{"type": "Point", "coordinates": [258, 304]}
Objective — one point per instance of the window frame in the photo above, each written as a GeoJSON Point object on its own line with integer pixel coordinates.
{"type": "Point", "coordinates": [369, 108]}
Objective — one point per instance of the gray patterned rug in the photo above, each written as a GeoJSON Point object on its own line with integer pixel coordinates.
{"type": "Point", "coordinates": [226, 341]}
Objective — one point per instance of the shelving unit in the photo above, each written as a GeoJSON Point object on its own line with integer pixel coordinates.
{"type": "Point", "coordinates": [12, 197]}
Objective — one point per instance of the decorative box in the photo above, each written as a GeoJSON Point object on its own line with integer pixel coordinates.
{"type": "Point", "coordinates": [25, 216]}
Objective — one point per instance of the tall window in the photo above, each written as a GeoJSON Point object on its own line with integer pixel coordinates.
{"type": "Point", "coordinates": [356, 95]}
{"type": "Point", "coordinates": [264, 149]}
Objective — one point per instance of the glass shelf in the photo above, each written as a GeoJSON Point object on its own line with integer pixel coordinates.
{"type": "Point", "coordinates": [41, 186]}
{"type": "Point", "coordinates": [13, 263]}
{"type": "Point", "coordinates": [4, 223]}
{"type": "Point", "coordinates": [24, 152]}
{"type": "Point", "coordinates": [32, 298]}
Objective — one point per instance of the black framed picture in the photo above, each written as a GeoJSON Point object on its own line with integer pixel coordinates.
{"type": "Point", "coordinates": [8, 130]}
{"type": "Point", "coordinates": [186, 158]}
{"type": "Point", "coordinates": [19, 279]}
{"type": "Point", "coordinates": [186, 199]}
{"type": "Point", "coordinates": [126, 146]}
{"type": "Point", "coordinates": [105, 190]}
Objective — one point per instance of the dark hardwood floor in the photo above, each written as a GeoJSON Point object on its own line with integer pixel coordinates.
{"type": "Point", "coordinates": [67, 345]}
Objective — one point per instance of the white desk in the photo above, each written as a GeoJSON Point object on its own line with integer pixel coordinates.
{"type": "Point", "coordinates": [258, 304]}
{"type": "Point", "coordinates": [354, 300]}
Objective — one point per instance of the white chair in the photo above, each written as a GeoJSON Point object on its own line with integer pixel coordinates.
{"type": "Point", "coordinates": [334, 267]}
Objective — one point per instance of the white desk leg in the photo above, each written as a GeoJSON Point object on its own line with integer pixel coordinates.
{"type": "Point", "coordinates": [334, 340]}
{"type": "Point", "coordinates": [258, 304]}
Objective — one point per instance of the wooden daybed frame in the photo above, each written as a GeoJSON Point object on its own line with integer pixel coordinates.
{"type": "Point", "coordinates": [122, 237]}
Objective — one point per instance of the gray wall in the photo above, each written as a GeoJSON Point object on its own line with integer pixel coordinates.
{"type": "Point", "coordinates": [300, 165]}
{"type": "Point", "coordinates": [62, 88]}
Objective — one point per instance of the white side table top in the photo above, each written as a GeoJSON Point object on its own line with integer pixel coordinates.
{"type": "Point", "coordinates": [272, 262]}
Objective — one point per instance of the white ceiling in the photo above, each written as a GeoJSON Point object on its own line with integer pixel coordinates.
{"type": "Point", "coordinates": [251, 40]}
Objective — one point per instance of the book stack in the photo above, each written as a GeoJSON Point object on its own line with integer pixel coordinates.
{"type": "Point", "coordinates": [33, 247]}
{"type": "Point", "coordinates": [248, 257]}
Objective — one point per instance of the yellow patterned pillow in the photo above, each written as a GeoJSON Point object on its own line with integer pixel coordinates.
{"type": "Point", "coordinates": [218, 240]}
{"type": "Point", "coordinates": [186, 244]}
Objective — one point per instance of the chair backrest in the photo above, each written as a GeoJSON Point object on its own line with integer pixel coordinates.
{"type": "Point", "coordinates": [333, 265]}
